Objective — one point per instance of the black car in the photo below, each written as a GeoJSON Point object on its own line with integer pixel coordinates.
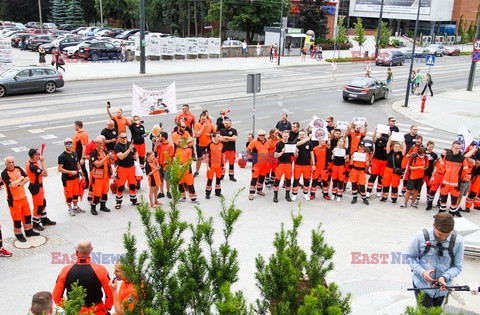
{"type": "Point", "coordinates": [66, 27]}
{"type": "Point", "coordinates": [60, 44]}
{"type": "Point", "coordinates": [365, 89]}
{"type": "Point", "coordinates": [30, 79]}
{"type": "Point", "coordinates": [127, 33]}
{"type": "Point", "coordinates": [17, 38]}
{"type": "Point", "coordinates": [390, 58]}
{"type": "Point", "coordinates": [99, 50]}
{"type": "Point", "coordinates": [34, 42]}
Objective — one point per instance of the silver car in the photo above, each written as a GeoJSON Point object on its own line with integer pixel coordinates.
{"type": "Point", "coordinates": [30, 79]}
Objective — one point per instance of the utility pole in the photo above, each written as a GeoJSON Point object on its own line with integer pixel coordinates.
{"type": "Point", "coordinates": [142, 36]}
{"type": "Point", "coordinates": [379, 30]}
{"type": "Point", "coordinates": [335, 28]}
{"type": "Point", "coordinates": [220, 24]}
{"type": "Point", "coordinates": [281, 34]}
{"type": "Point", "coordinates": [101, 13]}
{"type": "Point", "coordinates": [40, 13]}
{"type": "Point", "coordinates": [409, 82]}
{"type": "Point", "coordinates": [473, 66]}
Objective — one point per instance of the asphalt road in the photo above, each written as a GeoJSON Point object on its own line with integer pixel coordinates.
{"type": "Point", "coordinates": [31, 119]}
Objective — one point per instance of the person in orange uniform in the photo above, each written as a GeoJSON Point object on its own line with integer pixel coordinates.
{"type": "Point", "coordinates": [320, 170]}
{"type": "Point", "coordinates": [203, 133]}
{"type": "Point", "coordinates": [272, 160]}
{"type": "Point", "coordinates": [137, 131]}
{"type": "Point", "coordinates": [126, 155]}
{"type": "Point", "coordinates": [121, 122]}
{"type": "Point", "coordinates": [152, 170]}
{"type": "Point", "coordinates": [36, 171]}
{"type": "Point", "coordinates": [215, 164]}
{"type": "Point", "coordinates": [184, 154]}
{"type": "Point", "coordinates": [260, 159]}
{"type": "Point", "coordinates": [355, 134]}
{"type": "Point", "coordinates": [180, 133]}
{"type": "Point", "coordinates": [473, 197]}
{"type": "Point", "coordinates": [359, 162]}
{"type": "Point", "coordinates": [406, 159]}
{"type": "Point", "coordinates": [284, 167]}
{"type": "Point", "coordinates": [416, 171]}
{"type": "Point", "coordinates": [165, 154]}
{"type": "Point", "coordinates": [80, 141]}
{"type": "Point", "coordinates": [436, 179]}
{"type": "Point", "coordinates": [15, 178]}
{"type": "Point", "coordinates": [394, 163]}
{"type": "Point", "coordinates": [92, 277]}
{"type": "Point", "coordinates": [379, 162]}
{"type": "Point", "coordinates": [229, 138]}
{"type": "Point", "coordinates": [189, 117]}
{"type": "Point", "coordinates": [124, 297]}
{"type": "Point", "coordinates": [70, 168]}
{"type": "Point", "coordinates": [100, 160]}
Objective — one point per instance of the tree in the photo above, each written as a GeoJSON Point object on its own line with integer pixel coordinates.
{"type": "Point", "coordinates": [360, 38]}
{"type": "Point", "coordinates": [74, 13]}
{"type": "Point", "coordinates": [58, 12]}
{"type": "Point", "coordinates": [312, 17]}
{"type": "Point", "coordinates": [23, 10]}
{"type": "Point", "coordinates": [292, 283]}
{"type": "Point", "coordinates": [461, 30]}
{"type": "Point", "coordinates": [74, 301]}
{"type": "Point", "coordinates": [341, 31]}
{"type": "Point", "coordinates": [472, 30]}
{"type": "Point", "coordinates": [384, 35]}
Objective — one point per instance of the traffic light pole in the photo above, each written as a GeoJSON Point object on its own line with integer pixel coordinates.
{"type": "Point", "coordinates": [409, 82]}
{"type": "Point", "coordinates": [473, 66]}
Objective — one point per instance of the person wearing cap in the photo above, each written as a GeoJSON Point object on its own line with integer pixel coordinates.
{"type": "Point", "coordinates": [434, 261]}
{"type": "Point", "coordinates": [229, 138]}
{"type": "Point", "coordinates": [359, 163]}
{"type": "Point", "coordinates": [69, 166]}
{"type": "Point", "coordinates": [15, 178]}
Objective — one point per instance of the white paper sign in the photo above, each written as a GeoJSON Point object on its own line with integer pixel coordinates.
{"type": "Point", "coordinates": [318, 123]}
{"type": "Point", "coordinates": [359, 120]}
{"type": "Point", "coordinates": [342, 125]}
{"type": "Point", "coordinates": [383, 129]}
{"type": "Point", "coordinates": [397, 136]}
{"type": "Point", "coordinates": [360, 157]}
{"type": "Point", "coordinates": [290, 148]}
{"type": "Point", "coordinates": [319, 134]}
{"type": "Point", "coordinates": [339, 152]}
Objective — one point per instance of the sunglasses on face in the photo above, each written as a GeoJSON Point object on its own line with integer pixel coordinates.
{"type": "Point", "coordinates": [123, 137]}
{"type": "Point", "coordinates": [69, 144]}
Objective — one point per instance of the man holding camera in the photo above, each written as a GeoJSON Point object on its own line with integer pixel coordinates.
{"type": "Point", "coordinates": [436, 258]}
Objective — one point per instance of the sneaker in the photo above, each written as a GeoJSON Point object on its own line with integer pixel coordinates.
{"type": "Point", "coordinates": [403, 205]}
{"type": "Point", "coordinates": [38, 226]}
{"type": "Point", "coordinates": [250, 197]}
{"type": "Point", "coordinates": [365, 201]}
{"type": "Point", "coordinates": [233, 179]}
{"type": "Point", "coordinates": [379, 194]}
{"type": "Point", "coordinates": [261, 193]}
{"type": "Point", "coordinates": [294, 197]}
{"type": "Point", "coordinates": [183, 199]}
{"type": "Point", "coordinates": [367, 194]}
{"type": "Point", "coordinates": [71, 212]}
{"type": "Point", "coordinates": [195, 202]}
{"type": "Point", "coordinates": [160, 195]}
{"type": "Point", "coordinates": [383, 199]}
{"type": "Point", "coordinates": [77, 209]}
{"type": "Point", "coordinates": [464, 210]}
{"type": "Point", "coordinates": [339, 198]}
{"type": "Point", "coordinates": [46, 221]}
{"type": "Point", "coordinates": [169, 195]}
{"type": "Point", "coordinates": [415, 205]}
{"type": "Point", "coordinates": [31, 232]}
{"type": "Point", "coordinates": [416, 202]}
{"type": "Point", "coordinates": [5, 253]}
{"type": "Point", "coordinates": [195, 174]}
{"type": "Point", "coordinates": [455, 213]}
{"type": "Point", "coordinates": [306, 196]}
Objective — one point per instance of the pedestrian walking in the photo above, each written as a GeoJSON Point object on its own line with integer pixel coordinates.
{"type": "Point", "coordinates": [304, 52]}
{"type": "Point", "coordinates": [270, 53]}
{"type": "Point", "coordinates": [244, 48]}
{"type": "Point", "coordinates": [58, 60]}
{"type": "Point", "coordinates": [259, 49]}
{"type": "Point", "coordinates": [23, 42]}
{"type": "Point", "coordinates": [334, 70]}
{"type": "Point", "coordinates": [290, 49]}
{"type": "Point", "coordinates": [389, 78]}
{"type": "Point", "coordinates": [368, 69]}
{"type": "Point", "coordinates": [418, 81]}
{"type": "Point", "coordinates": [275, 52]}
{"type": "Point", "coordinates": [413, 76]}
{"type": "Point", "coordinates": [41, 55]}
{"type": "Point", "coordinates": [428, 84]}
{"type": "Point", "coordinates": [123, 48]}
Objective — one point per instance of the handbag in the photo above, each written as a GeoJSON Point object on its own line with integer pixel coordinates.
{"type": "Point", "coordinates": [396, 170]}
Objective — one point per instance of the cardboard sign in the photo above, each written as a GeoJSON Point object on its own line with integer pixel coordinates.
{"type": "Point", "coordinates": [359, 121]}
{"type": "Point", "coordinates": [360, 157]}
{"type": "Point", "coordinates": [383, 129]}
{"type": "Point", "coordinates": [397, 136]}
{"type": "Point", "coordinates": [339, 152]}
{"type": "Point", "coordinates": [342, 125]}
{"type": "Point", "coordinates": [290, 148]}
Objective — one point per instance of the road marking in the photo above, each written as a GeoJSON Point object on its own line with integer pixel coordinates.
{"type": "Point", "coordinates": [69, 125]}
{"type": "Point", "coordinates": [262, 117]}
{"type": "Point", "coordinates": [2, 135]}
{"type": "Point", "coordinates": [237, 122]}
{"type": "Point", "coordinates": [8, 142]}
{"type": "Point", "coordinates": [25, 126]}
{"type": "Point", "coordinates": [36, 130]}
{"type": "Point", "coordinates": [310, 109]}
{"type": "Point", "coordinates": [20, 149]}
{"type": "Point", "coordinates": [58, 142]}
{"type": "Point", "coordinates": [47, 137]}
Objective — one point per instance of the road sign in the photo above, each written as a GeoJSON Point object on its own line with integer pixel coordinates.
{"type": "Point", "coordinates": [253, 83]}
{"type": "Point", "coordinates": [476, 56]}
{"type": "Point", "coordinates": [476, 45]}
{"type": "Point", "coordinates": [430, 60]}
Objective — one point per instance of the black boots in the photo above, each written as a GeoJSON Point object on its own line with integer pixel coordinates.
{"type": "Point", "coordinates": [103, 207]}
{"type": "Point", "coordinates": [275, 196]}
{"type": "Point", "coordinates": [93, 210]}
{"type": "Point", "coordinates": [287, 196]}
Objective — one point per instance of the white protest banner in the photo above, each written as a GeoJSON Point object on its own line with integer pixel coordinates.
{"type": "Point", "coordinates": [214, 46]}
{"type": "Point", "coordinates": [383, 129]}
{"type": "Point", "coordinates": [359, 120]}
{"type": "Point", "coordinates": [180, 46]}
{"type": "Point", "coordinates": [360, 157]}
{"type": "Point", "coordinates": [290, 148]}
{"type": "Point", "coordinates": [318, 123]}
{"type": "Point", "coordinates": [146, 102]}
{"type": "Point", "coordinates": [397, 136]}
{"type": "Point", "coordinates": [202, 46]}
{"type": "Point", "coordinates": [342, 125]}
{"type": "Point", "coordinates": [464, 136]}
{"type": "Point", "coordinates": [320, 134]}
{"type": "Point", "coordinates": [339, 152]}
{"type": "Point", "coordinates": [192, 46]}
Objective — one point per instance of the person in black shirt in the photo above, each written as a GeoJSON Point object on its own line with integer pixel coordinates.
{"type": "Point", "coordinates": [229, 137]}
{"type": "Point", "coordinates": [379, 162]}
{"type": "Point", "coordinates": [410, 138]}
{"type": "Point", "coordinates": [393, 170]}
{"type": "Point", "coordinates": [110, 134]}
{"type": "Point", "coordinates": [303, 165]}
{"type": "Point", "coordinates": [391, 125]}
{"type": "Point", "coordinates": [432, 158]}
{"type": "Point", "coordinates": [137, 130]}
{"type": "Point", "coordinates": [126, 155]}
{"type": "Point", "coordinates": [330, 124]}
{"type": "Point", "coordinates": [293, 137]}
{"type": "Point", "coordinates": [283, 124]}
{"type": "Point", "coordinates": [220, 120]}
{"type": "Point", "coordinates": [70, 168]}
{"type": "Point", "coordinates": [284, 166]}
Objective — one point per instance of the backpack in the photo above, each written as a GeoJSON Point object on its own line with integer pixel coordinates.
{"type": "Point", "coordinates": [451, 245]}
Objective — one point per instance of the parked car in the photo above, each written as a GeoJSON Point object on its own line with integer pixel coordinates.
{"type": "Point", "coordinates": [20, 26]}
{"type": "Point", "coordinates": [60, 44]}
{"type": "Point", "coordinates": [419, 53]}
{"type": "Point", "coordinates": [30, 79]}
{"type": "Point", "coordinates": [35, 41]}
{"type": "Point", "coordinates": [129, 44]}
{"type": "Point", "coordinates": [33, 24]}
{"type": "Point", "coordinates": [99, 50]}
{"type": "Point", "coordinates": [78, 29]}
{"type": "Point", "coordinates": [390, 58]}
{"type": "Point", "coordinates": [231, 42]}
{"type": "Point", "coordinates": [137, 35]}
{"type": "Point", "coordinates": [127, 33]}
{"type": "Point", "coordinates": [365, 89]}
{"type": "Point", "coordinates": [105, 33]}
{"type": "Point", "coordinates": [50, 26]}
{"type": "Point", "coordinates": [38, 31]}
{"type": "Point", "coordinates": [436, 49]}
{"type": "Point", "coordinates": [66, 27]}
{"type": "Point", "coordinates": [72, 51]}
{"type": "Point", "coordinates": [17, 38]}
{"type": "Point", "coordinates": [452, 51]}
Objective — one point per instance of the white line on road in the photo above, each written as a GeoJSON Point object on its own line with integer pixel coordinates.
{"type": "Point", "coordinates": [20, 149]}
{"type": "Point", "coordinates": [237, 122]}
{"type": "Point", "coordinates": [25, 126]}
{"type": "Point", "coordinates": [2, 135]}
{"type": "Point", "coordinates": [310, 109]}
{"type": "Point", "coordinates": [47, 137]}
{"type": "Point", "coordinates": [262, 117]}
{"type": "Point", "coordinates": [8, 142]}
{"type": "Point", "coordinates": [36, 130]}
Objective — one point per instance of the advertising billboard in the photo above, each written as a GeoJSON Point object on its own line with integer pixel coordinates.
{"type": "Point", "coordinates": [394, 6]}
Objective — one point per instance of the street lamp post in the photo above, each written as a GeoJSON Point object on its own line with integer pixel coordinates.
{"type": "Point", "coordinates": [335, 26]}
{"type": "Point", "coordinates": [40, 14]}
{"type": "Point", "coordinates": [281, 34]}
{"type": "Point", "coordinates": [142, 36]}
{"type": "Point", "coordinates": [409, 82]}
{"type": "Point", "coordinates": [101, 13]}
{"type": "Point", "coordinates": [379, 28]}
